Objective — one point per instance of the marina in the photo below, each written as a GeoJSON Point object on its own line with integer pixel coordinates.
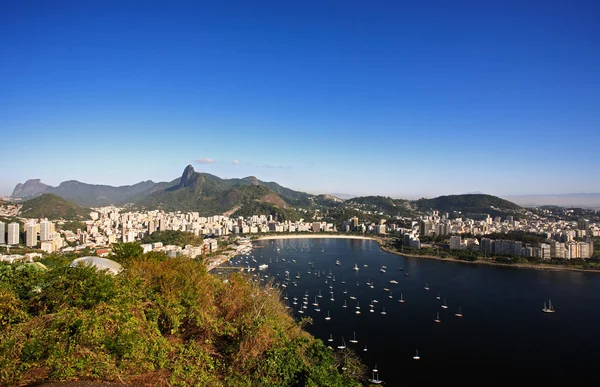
{"type": "Point", "coordinates": [441, 314]}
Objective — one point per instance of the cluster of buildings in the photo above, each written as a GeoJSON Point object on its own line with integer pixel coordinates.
{"type": "Point", "coordinates": [564, 239]}
{"type": "Point", "coordinates": [42, 233]}
{"type": "Point", "coordinates": [108, 225]}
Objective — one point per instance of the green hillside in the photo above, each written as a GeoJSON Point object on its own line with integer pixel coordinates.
{"type": "Point", "coordinates": [209, 194]}
{"type": "Point", "coordinates": [468, 203]}
{"type": "Point", "coordinates": [161, 322]}
{"type": "Point", "coordinates": [53, 207]}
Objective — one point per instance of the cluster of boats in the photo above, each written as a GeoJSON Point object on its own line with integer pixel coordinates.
{"type": "Point", "coordinates": [316, 303]}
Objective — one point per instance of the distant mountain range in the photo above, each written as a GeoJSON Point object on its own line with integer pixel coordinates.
{"type": "Point", "coordinates": [209, 195]}
{"type": "Point", "coordinates": [89, 195]}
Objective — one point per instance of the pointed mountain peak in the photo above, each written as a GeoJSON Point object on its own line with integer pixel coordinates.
{"type": "Point", "coordinates": [187, 177]}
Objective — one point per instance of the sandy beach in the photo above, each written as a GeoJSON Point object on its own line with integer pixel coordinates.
{"type": "Point", "coordinates": [316, 236]}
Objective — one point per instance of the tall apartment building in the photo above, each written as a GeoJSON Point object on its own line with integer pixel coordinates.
{"type": "Point", "coordinates": [2, 233]}
{"type": "Point", "coordinates": [455, 242]}
{"type": "Point", "coordinates": [46, 230]}
{"type": "Point", "coordinates": [13, 234]}
{"type": "Point", "coordinates": [583, 224]}
{"type": "Point", "coordinates": [151, 227]}
{"type": "Point", "coordinates": [31, 234]}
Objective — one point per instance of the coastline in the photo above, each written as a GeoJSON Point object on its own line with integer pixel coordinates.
{"type": "Point", "coordinates": [490, 263]}
{"type": "Point", "coordinates": [449, 259]}
{"type": "Point", "coordinates": [315, 236]}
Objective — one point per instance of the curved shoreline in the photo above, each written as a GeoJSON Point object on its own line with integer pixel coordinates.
{"type": "Point", "coordinates": [315, 236]}
{"type": "Point", "coordinates": [449, 259]}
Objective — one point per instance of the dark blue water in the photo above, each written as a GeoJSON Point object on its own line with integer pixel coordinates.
{"type": "Point", "coordinates": [503, 333]}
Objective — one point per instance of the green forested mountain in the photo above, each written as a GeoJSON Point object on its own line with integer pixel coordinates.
{"type": "Point", "coordinates": [89, 195]}
{"type": "Point", "coordinates": [468, 203]}
{"type": "Point", "coordinates": [53, 207]}
{"type": "Point", "coordinates": [210, 194]}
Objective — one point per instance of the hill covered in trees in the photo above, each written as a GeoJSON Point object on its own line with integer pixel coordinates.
{"type": "Point", "coordinates": [210, 194]}
{"type": "Point", "coordinates": [469, 204]}
{"type": "Point", "coordinates": [53, 207]}
{"type": "Point", "coordinates": [160, 322]}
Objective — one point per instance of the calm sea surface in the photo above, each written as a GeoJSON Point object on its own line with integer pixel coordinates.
{"type": "Point", "coordinates": [503, 333]}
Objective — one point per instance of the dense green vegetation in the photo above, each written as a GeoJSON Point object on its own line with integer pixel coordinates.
{"type": "Point", "coordinates": [53, 207]}
{"type": "Point", "coordinates": [160, 322]}
{"type": "Point", "coordinates": [170, 237]}
{"type": "Point", "coordinates": [469, 204]}
{"type": "Point", "coordinates": [211, 195]}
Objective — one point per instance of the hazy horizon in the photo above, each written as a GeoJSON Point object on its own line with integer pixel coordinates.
{"type": "Point", "coordinates": [399, 99]}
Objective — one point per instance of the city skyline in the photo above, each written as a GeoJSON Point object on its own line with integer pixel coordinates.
{"type": "Point", "coordinates": [401, 100]}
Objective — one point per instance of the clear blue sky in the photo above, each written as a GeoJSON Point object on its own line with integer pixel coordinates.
{"type": "Point", "coordinates": [405, 99]}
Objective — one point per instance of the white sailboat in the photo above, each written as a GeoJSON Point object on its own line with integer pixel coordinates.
{"type": "Point", "coordinates": [459, 313]}
{"type": "Point", "coordinates": [365, 349]}
{"type": "Point", "coordinates": [343, 345]}
{"type": "Point", "coordinates": [426, 286]}
{"type": "Point", "coordinates": [375, 379]}
{"type": "Point", "coordinates": [438, 296]}
{"type": "Point", "coordinates": [355, 268]}
{"type": "Point", "coordinates": [401, 300]}
{"type": "Point", "coordinates": [345, 304]}
{"type": "Point", "coordinates": [549, 309]}
{"type": "Point", "coordinates": [354, 339]}
{"type": "Point", "coordinates": [444, 305]}
{"type": "Point", "coordinates": [330, 337]}
{"type": "Point", "coordinates": [437, 318]}
{"type": "Point", "coordinates": [383, 311]}
{"type": "Point", "coordinates": [328, 316]}
{"type": "Point", "coordinates": [417, 357]}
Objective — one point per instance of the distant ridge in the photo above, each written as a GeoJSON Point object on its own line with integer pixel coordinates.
{"type": "Point", "coordinates": [87, 195]}
{"type": "Point", "coordinates": [210, 194]}
{"type": "Point", "coordinates": [469, 203]}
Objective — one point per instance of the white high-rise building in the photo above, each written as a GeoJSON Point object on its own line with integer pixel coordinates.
{"type": "Point", "coordinates": [46, 231]}
{"type": "Point", "coordinates": [2, 233]}
{"type": "Point", "coordinates": [13, 233]}
{"type": "Point", "coordinates": [31, 234]}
